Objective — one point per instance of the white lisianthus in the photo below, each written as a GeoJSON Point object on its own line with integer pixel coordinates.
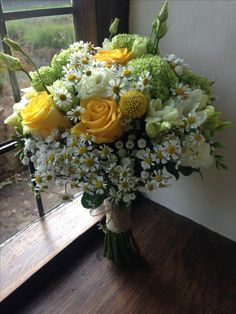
{"type": "Point", "coordinates": [196, 155]}
{"type": "Point", "coordinates": [94, 84]}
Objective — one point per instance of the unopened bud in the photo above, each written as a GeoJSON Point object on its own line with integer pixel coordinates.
{"type": "Point", "coordinates": [13, 64]}
{"type": "Point", "coordinates": [163, 15]}
{"type": "Point", "coordinates": [114, 26]}
{"type": "Point", "coordinates": [12, 44]}
{"type": "Point", "coordinates": [151, 130]}
{"type": "Point", "coordinates": [162, 29]}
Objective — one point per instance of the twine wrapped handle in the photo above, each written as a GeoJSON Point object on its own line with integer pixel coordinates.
{"type": "Point", "coordinates": [117, 220]}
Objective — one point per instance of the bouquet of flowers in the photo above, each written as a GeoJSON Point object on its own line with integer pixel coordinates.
{"type": "Point", "coordinates": [113, 121]}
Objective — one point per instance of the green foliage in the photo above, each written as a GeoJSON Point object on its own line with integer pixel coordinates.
{"type": "Point", "coordinates": [163, 77]}
{"type": "Point", "coordinates": [48, 75]}
{"type": "Point", "coordinates": [196, 80]}
{"type": "Point", "coordinates": [92, 201]}
{"type": "Point", "coordinates": [44, 32]}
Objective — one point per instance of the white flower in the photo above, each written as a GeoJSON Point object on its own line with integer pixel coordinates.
{"type": "Point", "coordinates": [88, 188]}
{"type": "Point", "coordinates": [62, 98]}
{"type": "Point", "coordinates": [195, 119]}
{"type": "Point", "coordinates": [119, 144]}
{"type": "Point", "coordinates": [142, 143]}
{"type": "Point", "coordinates": [181, 91]}
{"type": "Point", "coordinates": [161, 155]}
{"type": "Point", "coordinates": [99, 185]}
{"type": "Point", "coordinates": [129, 145]}
{"type": "Point", "coordinates": [144, 81]}
{"type": "Point", "coordinates": [196, 155]}
{"type": "Point", "coordinates": [125, 121]}
{"type": "Point", "coordinates": [89, 162]}
{"type": "Point", "coordinates": [173, 148]}
{"type": "Point", "coordinates": [105, 151]}
{"type": "Point", "coordinates": [74, 114]}
{"type": "Point", "coordinates": [145, 175]}
{"type": "Point", "coordinates": [95, 84]}
{"type": "Point", "coordinates": [147, 160]}
{"type": "Point", "coordinates": [196, 138]}
{"type": "Point", "coordinates": [151, 185]}
{"type": "Point", "coordinates": [116, 88]}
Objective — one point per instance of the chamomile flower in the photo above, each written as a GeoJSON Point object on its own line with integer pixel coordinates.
{"type": "Point", "coordinates": [144, 81]}
{"type": "Point", "coordinates": [145, 175]}
{"type": "Point", "coordinates": [151, 186]}
{"type": "Point", "coordinates": [62, 98]}
{"type": "Point", "coordinates": [71, 76]}
{"type": "Point", "coordinates": [160, 154]}
{"type": "Point", "coordinates": [105, 151]}
{"type": "Point", "coordinates": [129, 144]}
{"type": "Point", "coordinates": [99, 185]}
{"type": "Point", "coordinates": [116, 88]}
{"type": "Point", "coordinates": [87, 187]}
{"type": "Point", "coordinates": [181, 91]}
{"type": "Point", "coordinates": [119, 144]}
{"type": "Point", "coordinates": [147, 160]}
{"type": "Point", "coordinates": [196, 138]}
{"type": "Point", "coordinates": [142, 143]}
{"type": "Point", "coordinates": [195, 119]}
{"type": "Point", "coordinates": [87, 138]}
{"type": "Point", "coordinates": [159, 178]}
{"type": "Point", "coordinates": [74, 114]}
{"type": "Point", "coordinates": [89, 162]}
{"type": "Point", "coordinates": [173, 148]}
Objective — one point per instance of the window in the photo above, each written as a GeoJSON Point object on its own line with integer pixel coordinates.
{"type": "Point", "coordinates": [43, 28]}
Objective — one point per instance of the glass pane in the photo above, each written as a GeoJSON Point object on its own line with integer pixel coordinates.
{"type": "Point", "coordinates": [21, 5]}
{"type": "Point", "coordinates": [18, 206]}
{"type": "Point", "coordinates": [41, 38]}
{"type": "Point", "coordinates": [6, 102]}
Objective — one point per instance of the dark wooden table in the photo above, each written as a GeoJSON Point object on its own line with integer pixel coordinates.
{"type": "Point", "coordinates": [186, 269]}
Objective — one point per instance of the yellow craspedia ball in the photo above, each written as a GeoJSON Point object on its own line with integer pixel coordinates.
{"type": "Point", "coordinates": [133, 104]}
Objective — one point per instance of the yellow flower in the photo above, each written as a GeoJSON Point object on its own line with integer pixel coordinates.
{"type": "Point", "coordinates": [133, 104]}
{"type": "Point", "coordinates": [120, 55]}
{"type": "Point", "coordinates": [41, 117]}
{"type": "Point", "coordinates": [100, 119]}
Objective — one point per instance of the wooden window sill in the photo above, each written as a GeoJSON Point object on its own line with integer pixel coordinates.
{"type": "Point", "coordinates": [28, 251]}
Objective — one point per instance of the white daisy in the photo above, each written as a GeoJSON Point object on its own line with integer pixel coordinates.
{"type": "Point", "coordinates": [116, 88]}
{"type": "Point", "coordinates": [74, 114]}
{"type": "Point", "coordinates": [99, 185]}
{"type": "Point", "coordinates": [145, 79]}
{"type": "Point", "coordinates": [62, 98]}
{"type": "Point", "coordinates": [142, 143]}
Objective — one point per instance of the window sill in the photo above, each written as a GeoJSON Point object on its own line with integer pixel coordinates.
{"type": "Point", "coordinates": [31, 249]}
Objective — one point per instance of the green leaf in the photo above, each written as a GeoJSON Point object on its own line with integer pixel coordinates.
{"type": "Point", "coordinates": [170, 167]}
{"type": "Point", "coordinates": [92, 201]}
{"type": "Point", "coordinates": [186, 171]}
{"type": "Point", "coordinates": [218, 145]}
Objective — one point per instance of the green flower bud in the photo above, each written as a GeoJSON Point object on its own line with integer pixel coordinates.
{"type": "Point", "coordinates": [151, 130]}
{"type": "Point", "coordinates": [162, 29]}
{"type": "Point", "coordinates": [140, 47]}
{"type": "Point", "coordinates": [163, 15]}
{"type": "Point", "coordinates": [12, 44]}
{"type": "Point", "coordinates": [114, 26]}
{"type": "Point", "coordinates": [13, 64]}
{"type": "Point", "coordinates": [13, 120]}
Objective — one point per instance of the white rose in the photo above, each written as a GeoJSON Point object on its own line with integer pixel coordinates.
{"type": "Point", "coordinates": [95, 84]}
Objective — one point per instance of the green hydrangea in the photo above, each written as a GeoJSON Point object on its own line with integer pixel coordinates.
{"type": "Point", "coordinates": [196, 80]}
{"type": "Point", "coordinates": [124, 41]}
{"type": "Point", "coordinates": [60, 60]}
{"type": "Point", "coordinates": [163, 77]}
{"type": "Point", "coordinates": [48, 75]}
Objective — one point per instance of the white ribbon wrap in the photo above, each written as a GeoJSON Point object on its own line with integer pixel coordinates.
{"type": "Point", "coordinates": [117, 220]}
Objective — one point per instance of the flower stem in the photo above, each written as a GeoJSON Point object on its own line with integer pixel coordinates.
{"type": "Point", "coordinates": [34, 65]}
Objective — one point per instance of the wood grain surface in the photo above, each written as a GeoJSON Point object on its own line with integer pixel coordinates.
{"type": "Point", "coordinates": [28, 251]}
{"type": "Point", "coordinates": [186, 269]}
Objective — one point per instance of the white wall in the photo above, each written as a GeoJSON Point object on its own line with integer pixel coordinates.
{"type": "Point", "coordinates": [203, 33]}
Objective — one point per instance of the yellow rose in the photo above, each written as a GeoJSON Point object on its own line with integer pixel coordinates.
{"type": "Point", "coordinates": [121, 56]}
{"type": "Point", "coordinates": [40, 115]}
{"type": "Point", "coordinates": [101, 119]}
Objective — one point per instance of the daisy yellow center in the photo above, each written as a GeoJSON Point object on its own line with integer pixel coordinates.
{"type": "Point", "coordinates": [38, 179]}
{"type": "Point", "coordinates": [105, 151]}
{"type": "Point", "coordinates": [71, 77]}
{"type": "Point", "coordinates": [127, 73]}
{"type": "Point", "coordinates": [159, 154]}
{"type": "Point", "coordinates": [133, 104]}
{"type": "Point", "coordinates": [88, 73]}
{"type": "Point", "coordinates": [116, 89]}
{"type": "Point", "coordinates": [51, 157]}
{"type": "Point", "coordinates": [197, 137]}
{"type": "Point", "coordinates": [180, 92]}
{"type": "Point", "coordinates": [191, 120]}
{"type": "Point", "coordinates": [89, 161]}
{"type": "Point", "coordinates": [171, 149]}
{"type": "Point", "coordinates": [158, 177]}
{"type": "Point", "coordinates": [85, 61]}
{"type": "Point", "coordinates": [148, 160]}
{"type": "Point", "coordinates": [62, 97]}
{"type": "Point", "coordinates": [98, 185]}
{"type": "Point", "coordinates": [82, 150]}
{"type": "Point", "coordinates": [125, 185]}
